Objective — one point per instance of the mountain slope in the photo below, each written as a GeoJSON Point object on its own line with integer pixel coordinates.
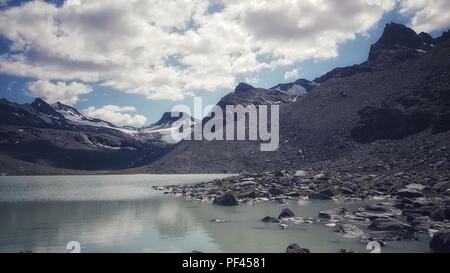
{"type": "Point", "coordinates": [403, 86]}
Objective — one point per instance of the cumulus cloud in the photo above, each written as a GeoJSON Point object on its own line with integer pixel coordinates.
{"type": "Point", "coordinates": [293, 74]}
{"type": "Point", "coordinates": [169, 49]}
{"type": "Point", "coordinates": [59, 91]}
{"type": "Point", "coordinates": [117, 115]}
{"type": "Point", "coordinates": [428, 15]}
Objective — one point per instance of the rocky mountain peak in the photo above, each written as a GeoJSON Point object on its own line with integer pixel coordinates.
{"type": "Point", "coordinates": [167, 118]}
{"type": "Point", "coordinates": [398, 34]}
{"type": "Point", "coordinates": [58, 106]}
{"type": "Point", "coordinates": [399, 42]}
{"type": "Point", "coordinates": [43, 107]}
{"type": "Point", "coordinates": [243, 87]}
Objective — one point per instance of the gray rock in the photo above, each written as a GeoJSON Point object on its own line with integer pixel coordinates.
{"type": "Point", "coordinates": [286, 213]}
{"type": "Point", "coordinates": [295, 248]}
{"type": "Point", "coordinates": [227, 199]}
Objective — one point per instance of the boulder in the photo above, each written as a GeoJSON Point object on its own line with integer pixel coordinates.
{"type": "Point", "coordinates": [280, 173]}
{"type": "Point", "coordinates": [376, 208]}
{"type": "Point", "coordinates": [440, 214]}
{"type": "Point", "coordinates": [409, 193]}
{"type": "Point", "coordinates": [327, 192]}
{"type": "Point", "coordinates": [293, 194]}
{"type": "Point", "coordinates": [319, 196]}
{"type": "Point", "coordinates": [442, 186]}
{"type": "Point", "coordinates": [389, 225]}
{"type": "Point", "coordinates": [247, 194]}
{"type": "Point", "coordinates": [276, 191]}
{"type": "Point", "coordinates": [320, 176]}
{"type": "Point", "coordinates": [349, 230]}
{"type": "Point", "coordinates": [269, 219]}
{"type": "Point", "coordinates": [301, 174]}
{"type": "Point", "coordinates": [286, 213]}
{"type": "Point", "coordinates": [295, 248]}
{"type": "Point", "coordinates": [227, 199]}
{"type": "Point", "coordinates": [440, 243]}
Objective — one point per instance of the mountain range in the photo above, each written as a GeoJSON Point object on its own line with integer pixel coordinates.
{"type": "Point", "coordinates": [389, 113]}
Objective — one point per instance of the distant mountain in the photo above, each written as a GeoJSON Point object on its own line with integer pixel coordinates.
{"type": "Point", "coordinates": [298, 88]}
{"type": "Point", "coordinates": [382, 115]}
{"type": "Point", "coordinates": [40, 135]}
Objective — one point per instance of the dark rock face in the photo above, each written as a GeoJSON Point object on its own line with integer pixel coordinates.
{"type": "Point", "coordinates": [295, 248]}
{"type": "Point", "coordinates": [384, 123]}
{"type": "Point", "coordinates": [397, 34]}
{"type": "Point", "coordinates": [243, 87]}
{"type": "Point", "coordinates": [286, 213]}
{"type": "Point", "coordinates": [440, 243]}
{"type": "Point", "coordinates": [441, 124]}
{"type": "Point", "coordinates": [399, 41]}
{"type": "Point", "coordinates": [227, 199]}
{"type": "Point", "coordinates": [41, 106]}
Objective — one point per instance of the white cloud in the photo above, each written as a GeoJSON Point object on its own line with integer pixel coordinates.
{"type": "Point", "coordinates": [165, 49]}
{"type": "Point", "coordinates": [293, 74]}
{"type": "Point", "coordinates": [59, 91]}
{"type": "Point", "coordinates": [116, 115]}
{"type": "Point", "coordinates": [428, 15]}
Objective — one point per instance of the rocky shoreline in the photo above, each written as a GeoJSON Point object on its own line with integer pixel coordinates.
{"type": "Point", "coordinates": [399, 206]}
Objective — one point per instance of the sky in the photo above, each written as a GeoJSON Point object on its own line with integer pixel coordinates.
{"type": "Point", "coordinates": [129, 61]}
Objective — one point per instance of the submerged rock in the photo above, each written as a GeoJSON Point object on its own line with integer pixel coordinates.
{"type": "Point", "coordinates": [227, 199]}
{"type": "Point", "coordinates": [269, 219]}
{"type": "Point", "coordinates": [295, 248]}
{"type": "Point", "coordinates": [349, 230]}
